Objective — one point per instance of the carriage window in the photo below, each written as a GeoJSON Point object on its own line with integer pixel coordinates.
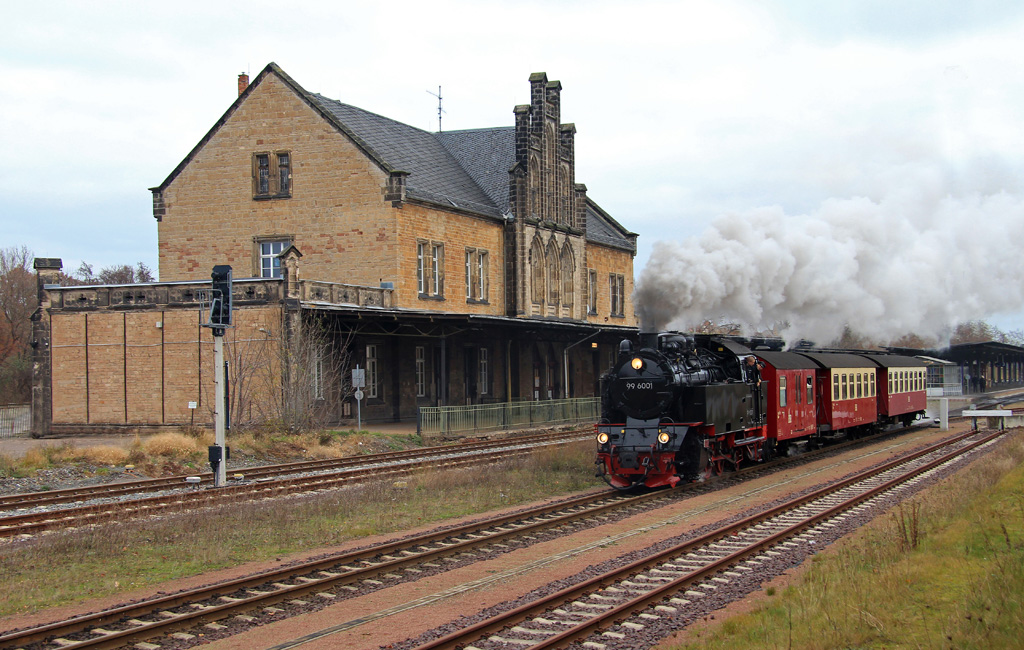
{"type": "Point", "coordinates": [810, 390]}
{"type": "Point", "coordinates": [846, 392]}
{"type": "Point", "coordinates": [782, 392]}
{"type": "Point", "coordinates": [890, 382]}
{"type": "Point", "coordinates": [835, 387]}
{"type": "Point", "coordinates": [860, 385]}
{"type": "Point", "coordinates": [873, 393]}
{"type": "Point", "coordinates": [796, 391]}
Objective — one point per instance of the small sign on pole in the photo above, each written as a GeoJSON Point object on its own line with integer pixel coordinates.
{"type": "Point", "coordinates": [359, 381]}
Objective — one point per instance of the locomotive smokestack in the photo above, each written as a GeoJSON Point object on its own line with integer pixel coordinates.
{"type": "Point", "coordinates": [648, 334]}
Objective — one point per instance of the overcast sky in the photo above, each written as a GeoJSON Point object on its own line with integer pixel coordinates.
{"type": "Point", "coordinates": [686, 112]}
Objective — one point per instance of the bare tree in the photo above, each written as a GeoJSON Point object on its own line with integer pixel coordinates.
{"type": "Point", "coordinates": [296, 383]}
{"type": "Point", "coordinates": [117, 274]}
{"type": "Point", "coordinates": [18, 301]}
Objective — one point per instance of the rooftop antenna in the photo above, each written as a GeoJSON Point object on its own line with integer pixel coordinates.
{"type": "Point", "coordinates": [439, 109]}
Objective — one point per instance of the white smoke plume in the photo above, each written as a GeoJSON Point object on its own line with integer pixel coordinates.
{"type": "Point", "coordinates": [885, 269]}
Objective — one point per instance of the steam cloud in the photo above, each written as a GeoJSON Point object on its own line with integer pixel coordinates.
{"type": "Point", "coordinates": [888, 268]}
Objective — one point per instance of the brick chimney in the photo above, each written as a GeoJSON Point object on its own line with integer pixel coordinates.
{"type": "Point", "coordinates": [243, 83]}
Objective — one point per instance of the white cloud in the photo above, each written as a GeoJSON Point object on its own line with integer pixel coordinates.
{"type": "Point", "coordinates": [685, 110]}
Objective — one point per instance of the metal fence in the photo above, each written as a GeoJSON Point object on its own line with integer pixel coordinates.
{"type": "Point", "coordinates": [15, 420]}
{"type": "Point", "coordinates": [452, 420]}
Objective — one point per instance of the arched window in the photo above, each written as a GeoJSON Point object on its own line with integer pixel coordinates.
{"type": "Point", "coordinates": [562, 201]}
{"type": "Point", "coordinates": [552, 275]}
{"type": "Point", "coordinates": [537, 270]}
{"type": "Point", "coordinates": [533, 182]}
{"type": "Point", "coordinates": [568, 278]}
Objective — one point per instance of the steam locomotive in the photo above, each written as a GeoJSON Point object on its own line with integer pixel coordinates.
{"type": "Point", "coordinates": [679, 407]}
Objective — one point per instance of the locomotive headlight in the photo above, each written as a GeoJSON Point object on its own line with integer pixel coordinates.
{"type": "Point", "coordinates": [663, 438]}
{"type": "Point", "coordinates": [637, 363]}
{"type": "Point", "coordinates": [602, 438]}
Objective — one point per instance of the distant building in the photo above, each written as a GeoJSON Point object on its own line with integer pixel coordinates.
{"type": "Point", "coordinates": [454, 268]}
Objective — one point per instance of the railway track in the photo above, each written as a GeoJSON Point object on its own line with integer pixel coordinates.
{"type": "Point", "coordinates": [613, 605]}
{"type": "Point", "coordinates": [96, 504]}
{"type": "Point", "coordinates": [267, 595]}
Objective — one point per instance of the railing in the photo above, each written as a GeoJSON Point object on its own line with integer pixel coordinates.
{"type": "Point", "coordinates": [451, 420]}
{"type": "Point", "coordinates": [352, 294]}
{"type": "Point", "coordinates": [15, 420]}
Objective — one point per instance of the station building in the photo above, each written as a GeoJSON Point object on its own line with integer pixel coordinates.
{"type": "Point", "coordinates": [460, 267]}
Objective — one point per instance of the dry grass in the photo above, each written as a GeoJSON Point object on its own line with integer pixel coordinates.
{"type": "Point", "coordinates": [170, 445]}
{"type": "Point", "coordinates": [944, 571]}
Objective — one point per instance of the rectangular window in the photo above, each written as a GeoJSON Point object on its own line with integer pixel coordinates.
{"type": "Point", "coordinates": [436, 269]}
{"type": "Point", "coordinates": [482, 269]}
{"type": "Point", "coordinates": [371, 371]}
{"type": "Point", "coordinates": [284, 174]}
{"type": "Point", "coordinates": [846, 391]}
{"type": "Point", "coordinates": [421, 371]}
{"type": "Point", "coordinates": [616, 286]}
{"type": "Point", "coordinates": [429, 269]}
{"type": "Point", "coordinates": [271, 175]}
{"type": "Point", "coordinates": [872, 379]}
{"type": "Point", "coordinates": [592, 292]}
{"type": "Point", "coordinates": [797, 395]}
{"type": "Point", "coordinates": [263, 170]}
{"type": "Point", "coordinates": [810, 390]}
{"type": "Point", "coordinates": [483, 379]}
{"type": "Point", "coordinates": [860, 385]}
{"type": "Point", "coordinates": [782, 392]}
{"type": "Point", "coordinates": [270, 263]}
{"type": "Point", "coordinates": [835, 388]}
{"type": "Point", "coordinates": [477, 267]}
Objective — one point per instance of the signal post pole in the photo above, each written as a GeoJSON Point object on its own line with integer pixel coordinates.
{"type": "Point", "coordinates": [217, 456]}
{"type": "Point", "coordinates": [220, 318]}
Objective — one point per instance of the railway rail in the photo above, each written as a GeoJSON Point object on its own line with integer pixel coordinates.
{"type": "Point", "coordinates": [96, 504]}
{"type": "Point", "coordinates": [625, 600]}
{"type": "Point", "coordinates": [330, 578]}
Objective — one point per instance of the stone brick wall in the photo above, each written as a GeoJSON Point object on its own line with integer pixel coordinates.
{"type": "Point", "coordinates": [457, 232]}
{"type": "Point", "coordinates": [336, 215]}
{"type": "Point", "coordinates": [119, 365]}
{"type": "Point", "coordinates": [606, 260]}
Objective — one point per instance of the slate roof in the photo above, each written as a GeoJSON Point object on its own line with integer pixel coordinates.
{"type": "Point", "coordinates": [466, 169]}
{"type": "Point", "coordinates": [435, 175]}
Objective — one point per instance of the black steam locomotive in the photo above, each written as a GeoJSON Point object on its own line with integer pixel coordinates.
{"type": "Point", "coordinates": [675, 408]}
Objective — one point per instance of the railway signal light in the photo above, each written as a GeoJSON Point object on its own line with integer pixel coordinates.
{"type": "Point", "coordinates": [220, 300]}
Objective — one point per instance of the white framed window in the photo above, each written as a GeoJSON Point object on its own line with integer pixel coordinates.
{"type": "Point", "coordinates": [270, 263]}
{"type": "Point", "coordinates": [429, 269]}
{"type": "Point", "coordinates": [371, 370]}
{"type": "Point", "coordinates": [421, 371]}
{"type": "Point", "coordinates": [782, 392]}
{"type": "Point", "coordinates": [436, 264]}
{"type": "Point", "coordinates": [482, 268]}
{"type": "Point", "coordinates": [477, 267]}
{"type": "Point", "coordinates": [484, 375]}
